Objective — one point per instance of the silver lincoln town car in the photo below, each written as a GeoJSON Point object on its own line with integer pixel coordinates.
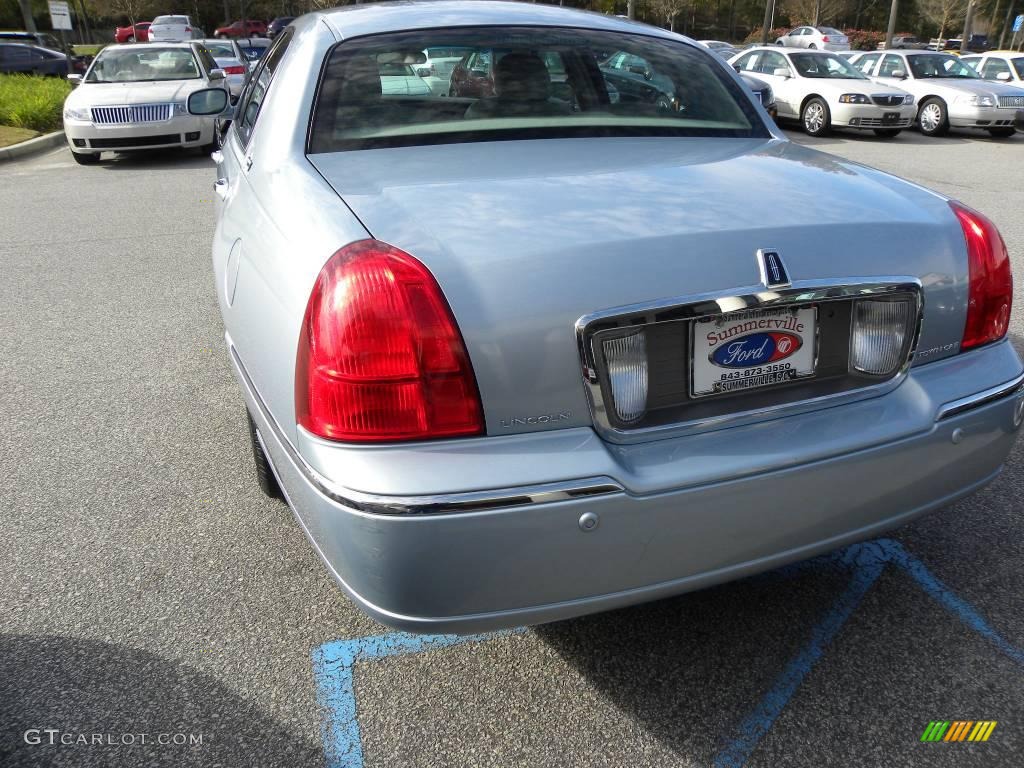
{"type": "Point", "coordinates": [533, 350]}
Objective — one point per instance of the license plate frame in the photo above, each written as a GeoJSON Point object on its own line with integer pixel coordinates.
{"type": "Point", "coordinates": [710, 377]}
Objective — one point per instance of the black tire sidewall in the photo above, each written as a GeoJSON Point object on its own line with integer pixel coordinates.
{"type": "Point", "coordinates": [826, 125]}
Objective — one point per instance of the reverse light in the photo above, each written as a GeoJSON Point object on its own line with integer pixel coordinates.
{"type": "Point", "coordinates": [380, 357]}
{"type": "Point", "coordinates": [626, 362]}
{"type": "Point", "coordinates": [882, 333]}
{"type": "Point", "coordinates": [990, 295]}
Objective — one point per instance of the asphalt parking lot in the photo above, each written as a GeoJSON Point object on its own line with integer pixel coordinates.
{"type": "Point", "coordinates": [149, 589]}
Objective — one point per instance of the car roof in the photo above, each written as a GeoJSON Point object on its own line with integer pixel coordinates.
{"type": "Point", "coordinates": [1001, 54]}
{"type": "Point", "coordinates": [356, 20]}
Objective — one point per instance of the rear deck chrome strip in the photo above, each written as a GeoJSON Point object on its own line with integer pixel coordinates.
{"type": "Point", "coordinates": [978, 399]}
{"type": "Point", "coordinates": [469, 501]}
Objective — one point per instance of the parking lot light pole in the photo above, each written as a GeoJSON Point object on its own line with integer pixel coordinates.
{"type": "Point", "coordinates": [968, 21]}
{"type": "Point", "coordinates": [891, 29]}
{"type": "Point", "coordinates": [769, 13]}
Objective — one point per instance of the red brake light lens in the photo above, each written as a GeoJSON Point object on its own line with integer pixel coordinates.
{"type": "Point", "coordinates": [990, 295]}
{"type": "Point", "coordinates": [380, 357]}
{"type": "Point", "coordinates": [234, 70]}
{"type": "Point", "coordinates": [824, 38]}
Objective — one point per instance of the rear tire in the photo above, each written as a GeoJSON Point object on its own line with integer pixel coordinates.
{"type": "Point", "coordinates": [815, 117]}
{"type": "Point", "coordinates": [887, 133]}
{"type": "Point", "coordinates": [86, 158]}
{"type": "Point", "coordinates": [1002, 133]}
{"type": "Point", "coordinates": [131, 39]}
{"type": "Point", "coordinates": [264, 473]}
{"type": "Point", "coordinates": [933, 118]}
{"type": "Point", "coordinates": [813, 47]}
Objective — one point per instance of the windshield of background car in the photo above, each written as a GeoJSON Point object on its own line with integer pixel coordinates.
{"type": "Point", "coordinates": [135, 65]}
{"type": "Point", "coordinates": [220, 50]}
{"type": "Point", "coordinates": [822, 65]}
{"type": "Point", "coordinates": [940, 65]}
{"type": "Point", "coordinates": [524, 83]}
{"type": "Point", "coordinates": [253, 52]}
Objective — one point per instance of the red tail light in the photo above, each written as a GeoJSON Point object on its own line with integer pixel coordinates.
{"type": "Point", "coordinates": [234, 70]}
{"type": "Point", "coordinates": [380, 357]}
{"type": "Point", "coordinates": [990, 295]}
{"type": "Point", "coordinates": [824, 38]}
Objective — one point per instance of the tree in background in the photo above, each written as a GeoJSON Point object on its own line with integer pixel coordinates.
{"type": "Point", "coordinates": [946, 13]}
{"type": "Point", "coordinates": [666, 11]}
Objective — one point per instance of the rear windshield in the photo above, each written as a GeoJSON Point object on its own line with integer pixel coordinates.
{"type": "Point", "coordinates": [135, 65]}
{"type": "Point", "coordinates": [520, 83]}
{"type": "Point", "coordinates": [221, 50]}
{"type": "Point", "coordinates": [171, 20]}
{"type": "Point", "coordinates": [830, 31]}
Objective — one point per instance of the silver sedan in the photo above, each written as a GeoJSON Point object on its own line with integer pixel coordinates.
{"type": "Point", "coordinates": [530, 353]}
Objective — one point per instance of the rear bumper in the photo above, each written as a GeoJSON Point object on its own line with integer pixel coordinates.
{"type": "Point", "coordinates": [671, 516]}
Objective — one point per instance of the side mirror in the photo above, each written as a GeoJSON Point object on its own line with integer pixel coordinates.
{"type": "Point", "coordinates": [75, 79]}
{"type": "Point", "coordinates": [899, 74]}
{"type": "Point", "coordinates": [737, 67]}
{"type": "Point", "coordinates": [782, 72]}
{"type": "Point", "coordinates": [217, 74]}
{"type": "Point", "coordinates": [209, 101]}
{"type": "Point", "coordinates": [1003, 76]}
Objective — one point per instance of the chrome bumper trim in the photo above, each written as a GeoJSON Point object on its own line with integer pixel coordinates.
{"type": "Point", "coordinates": [1010, 388]}
{"type": "Point", "coordinates": [469, 501]}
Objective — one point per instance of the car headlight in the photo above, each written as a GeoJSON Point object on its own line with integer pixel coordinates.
{"type": "Point", "coordinates": [908, 99]}
{"type": "Point", "coordinates": [978, 101]}
{"type": "Point", "coordinates": [180, 108]}
{"type": "Point", "coordinates": [79, 113]}
{"type": "Point", "coordinates": [854, 98]}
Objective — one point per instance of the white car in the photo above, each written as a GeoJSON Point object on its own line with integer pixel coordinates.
{"type": "Point", "coordinates": [947, 91]}
{"type": "Point", "coordinates": [398, 79]}
{"type": "Point", "coordinates": [815, 38]}
{"type": "Point", "coordinates": [436, 71]}
{"type": "Point", "coordinates": [138, 97]}
{"type": "Point", "coordinates": [232, 60]}
{"type": "Point", "coordinates": [1004, 66]}
{"type": "Point", "coordinates": [174, 29]}
{"type": "Point", "coordinates": [823, 91]}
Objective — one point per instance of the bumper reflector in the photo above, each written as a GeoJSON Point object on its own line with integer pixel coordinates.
{"type": "Point", "coordinates": [881, 333]}
{"type": "Point", "coordinates": [626, 363]}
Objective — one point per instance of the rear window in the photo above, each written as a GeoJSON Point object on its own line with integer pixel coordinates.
{"type": "Point", "coordinates": [171, 20]}
{"type": "Point", "coordinates": [221, 50]}
{"type": "Point", "coordinates": [518, 83]}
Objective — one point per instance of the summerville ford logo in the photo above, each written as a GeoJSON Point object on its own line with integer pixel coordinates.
{"type": "Point", "coordinates": [756, 349]}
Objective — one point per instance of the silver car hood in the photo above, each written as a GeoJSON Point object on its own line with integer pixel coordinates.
{"type": "Point", "coordinates": [525, 237]}
{"type": "Point", "coordinates": [153, 92]}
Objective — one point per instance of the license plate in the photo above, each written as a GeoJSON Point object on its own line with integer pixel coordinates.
{"type": "Point", "coordinates": [749, 350]}
{"type": "Point", "coordinates": [891, 117]}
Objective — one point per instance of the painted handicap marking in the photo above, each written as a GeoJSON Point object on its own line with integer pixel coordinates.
{"type": "Point", "coordinates": [867, 561]}
{"type": "Point", "coordinates": [332, 667]}
{"type": "Point", "coordinates": [333, 662]}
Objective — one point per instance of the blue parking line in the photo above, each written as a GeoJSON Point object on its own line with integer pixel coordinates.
{"type": "Point", "coordinates": [867, 560]}
{"type": "Point", "coordinates": [332, 667]}
{"type": "Point", "coordinates": [333, 662]}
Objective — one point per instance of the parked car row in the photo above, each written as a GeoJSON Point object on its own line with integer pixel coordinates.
{"type": "Point", "coordinates": [180, 27]}
{"type": "Point", "coordinates": [43, 54]}
{"type": "Point", "coordinates": [886, 92]}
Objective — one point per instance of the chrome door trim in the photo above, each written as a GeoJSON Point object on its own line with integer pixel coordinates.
{"type": "Point", "coordinates": [435, 504]}
{"type": "Point", "coordinates": [750, 297]}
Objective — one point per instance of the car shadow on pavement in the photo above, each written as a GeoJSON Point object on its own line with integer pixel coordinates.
{"type": "Point", "coordinates": [154, 160]}
{"type": "Point", "coordinates": [691, 667]}
{"type": "Point", "coordinates": [92, 691]}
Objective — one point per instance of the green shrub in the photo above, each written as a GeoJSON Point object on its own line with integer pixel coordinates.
{"type": "Point", "coordinates": [32, 102]}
